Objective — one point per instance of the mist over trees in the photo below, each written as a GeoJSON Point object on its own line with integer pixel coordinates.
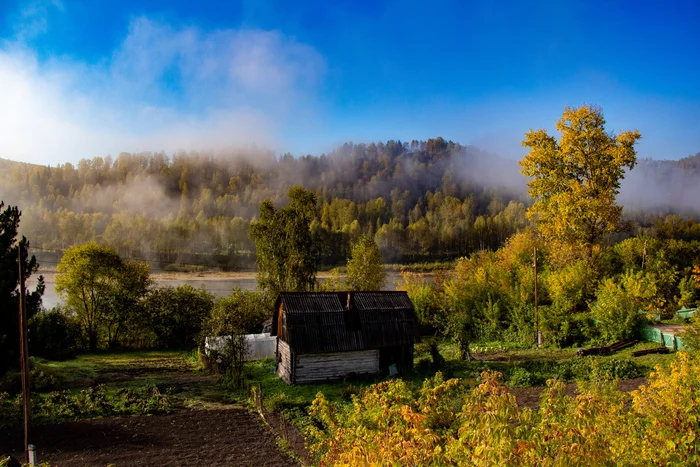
{"type": "Point", "coordinates": [418, 199]}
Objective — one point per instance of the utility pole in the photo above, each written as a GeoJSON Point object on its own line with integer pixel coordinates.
{"type": "Point", "coordinates": [24, 356]}
{"type": "Point", "coordinates": [538, 340]}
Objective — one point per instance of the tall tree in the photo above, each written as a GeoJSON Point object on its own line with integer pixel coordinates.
{"type": "Point", "coordinates": [9, 285]}
{"type": "Point", "coordinates": [101, 289]}
{"type": "Point", "coordinates": [575, 180]}
{"type": "Point", "coordinates": [286, 257]}
{"type": "Point", "coordinates": [366, 267]}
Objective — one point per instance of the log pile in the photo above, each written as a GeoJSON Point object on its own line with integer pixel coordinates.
{"type": "Point", "coordinates": [606, 349]}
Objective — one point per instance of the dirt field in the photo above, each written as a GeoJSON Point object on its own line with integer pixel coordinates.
{"type": "Point", "coordinates": [221, 437]}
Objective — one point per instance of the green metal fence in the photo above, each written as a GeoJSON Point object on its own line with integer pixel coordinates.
{"type": "Point", "coordinates": [668, 339]}
{"type": "Point", "coordinates": [686, 313]}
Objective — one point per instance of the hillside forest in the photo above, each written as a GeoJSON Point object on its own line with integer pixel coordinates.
{"type": "Point", "coordinates": [422, 200]}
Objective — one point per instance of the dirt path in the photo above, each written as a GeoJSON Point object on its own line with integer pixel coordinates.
{"type": "Point", "coordinates": [222, 437]}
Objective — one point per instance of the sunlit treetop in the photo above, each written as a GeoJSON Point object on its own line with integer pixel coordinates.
{"type": "Point", "coordinates": [575, 179]}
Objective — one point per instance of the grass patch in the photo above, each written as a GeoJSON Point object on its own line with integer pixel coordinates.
{"type": "Point", "coordinates": [533, 367]}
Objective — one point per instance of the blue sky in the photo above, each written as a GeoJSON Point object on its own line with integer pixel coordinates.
{"type": "Point", "coordinates": [80, 79]}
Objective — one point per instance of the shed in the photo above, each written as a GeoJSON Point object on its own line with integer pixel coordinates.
{"type": "Point", "coordinates": [324, 336]}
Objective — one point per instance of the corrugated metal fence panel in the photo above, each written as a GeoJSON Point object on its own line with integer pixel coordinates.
{"type": "Point", "coordinates": [651, 334]}
{"type": "Point", "coordinates": [670, 340]}
{"type": "Point", "coordinates": [679, 343]}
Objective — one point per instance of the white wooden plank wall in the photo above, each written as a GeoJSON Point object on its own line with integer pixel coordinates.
{"type": "Point", "coordinates": [336, 365]}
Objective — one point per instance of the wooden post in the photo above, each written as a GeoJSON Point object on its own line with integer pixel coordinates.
{"type": "Point", "coordinates": [24, 357]}
{"type": "Point", "coordinates": [538, 340]}
{"type": "Point", "coordinates": [260, 401]}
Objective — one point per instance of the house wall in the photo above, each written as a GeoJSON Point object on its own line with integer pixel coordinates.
{"type": "Point", "coordinates": [334, 365]}
{"type": "Point", "coordinates": [284, 361]}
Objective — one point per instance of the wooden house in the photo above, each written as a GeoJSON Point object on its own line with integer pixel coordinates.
{"type": "Point", "coordinates": [324, 336]}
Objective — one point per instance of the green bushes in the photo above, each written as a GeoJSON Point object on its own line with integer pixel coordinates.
{"type": "Point", "coordinates": [92, 402]}
{"type": "Point", "coordinates": [176, 315]}
{"type": "Point", "coordinates": [54, 335]}
{"type": "Point", "coordinates": [536, 373]}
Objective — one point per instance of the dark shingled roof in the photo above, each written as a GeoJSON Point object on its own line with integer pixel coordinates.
{"type": "Point", "coordinates": [322, 322]}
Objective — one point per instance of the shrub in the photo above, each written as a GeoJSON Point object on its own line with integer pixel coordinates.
{"type": "Point", "coordinates": [446, 424]}
{"type": "Point", "coordinates": [92, 402]}
{"type": "Point", "coordinates": [177, 314]}
{"type": "Point", "coordinates": [10, 410]}
{"type": "Point", "coordinates": [54, 335]}
{"type": "Point", "coordinates": [520, 377]}
{"type": "Point", "coordinates": [281, 402]}
{"type": "Point", "coordinates": [616, 310]}
{"type": "Point", "coordinates": [43, 378]}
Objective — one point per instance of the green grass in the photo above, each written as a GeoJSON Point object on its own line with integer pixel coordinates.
{"type": "Point", "coordinates": [177, 372]}
{"type": "Point", "coordinates": [182, 377]}
{"type": "Point", "coordinates": [533, 367]}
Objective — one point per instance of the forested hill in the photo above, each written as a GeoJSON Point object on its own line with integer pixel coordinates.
{"type": "Point", "coordinates": [431, 197]}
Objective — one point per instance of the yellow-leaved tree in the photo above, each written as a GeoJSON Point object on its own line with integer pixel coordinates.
{"type": "Point", "coordinates": [574, 180]}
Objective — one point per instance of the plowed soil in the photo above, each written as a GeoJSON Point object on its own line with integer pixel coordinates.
{"type": "Point", "coordinates": [221, 437]}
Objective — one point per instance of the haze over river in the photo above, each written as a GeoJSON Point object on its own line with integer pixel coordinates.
{"type": "Point", "coordinates": [219, 284]}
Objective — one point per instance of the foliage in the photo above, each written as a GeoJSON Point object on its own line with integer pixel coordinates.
{"type": "Point", "coordinates": [687, 292]}
{"type": "Point", "coordinates": [286, 257]}
{"type": "Point", "coordinates": [95, 401]}
{"type": "Point", "coordinates": [9, 285]}
{"type": "Point", "coordinates": [569, 289]}
{"type": "Point", "coordinates": [54, 335]}
{"type": "Point", "coordinates": [691, 333]}
{"type": "Point", "coordinates": [176, 315]}
{"type": "Point", "coordinates": [103, 292]}
{"type": "Point", "coordinates": [366, 267]}
{"type": "Point", "coordinates": [333, 283]}
{"type": "Point", "coordinates": [196, 207]}
{"type": "Point", "coordinates": [446, 423]}
{"type": "Point", "coordinates": [574, 181]}
{"type": "Point", "coordinates": [234, 316]}
{"type": "Point", "coordinates": [425, 297]}
{"type": "Point", "coordinates": [43, 378]}
{"type": "Point", "coordinates": [618, 305]}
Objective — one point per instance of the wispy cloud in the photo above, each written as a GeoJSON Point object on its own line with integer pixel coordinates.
{"type": "Point", "coordinates": [163, 88]}
{"type": "Point", "coordinates": [32, 19]}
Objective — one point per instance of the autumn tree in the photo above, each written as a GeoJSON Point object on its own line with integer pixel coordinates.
{"type": "Point", "coordinates": [366, 267]}
{"type": "Point", "coordinates": [574, 180]}
{"type": "Point", "coordinates": [286, 257]}
{"type": "Point", "coordinates": [102, 290]}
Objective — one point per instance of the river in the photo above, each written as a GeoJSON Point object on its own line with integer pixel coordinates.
{"type": "Point", "coordinates": [219, 284]}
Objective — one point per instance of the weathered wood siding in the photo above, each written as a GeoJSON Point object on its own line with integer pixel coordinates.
{"type": "Point", "coordinates": [284, 361]}
{"type": "Point", "coordinates": [334, 365]}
